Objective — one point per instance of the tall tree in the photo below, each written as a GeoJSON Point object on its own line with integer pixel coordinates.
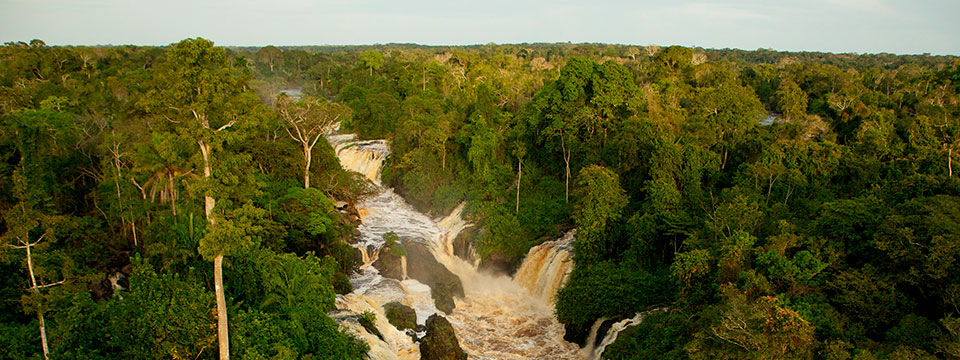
{"type": "Point", "coordinates": [23, 223]}
{"type": "Point", "coordinates": [600, 203]}
{"type": "Point", "coordinates": [201, 98]}
{"type": "Point", "coordinates": [371, 59]}
{"type": "Point", "coordinates": [306, 121]}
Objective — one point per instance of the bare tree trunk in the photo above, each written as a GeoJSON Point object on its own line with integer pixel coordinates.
{"type": "Point", "coordinates": [173, 196]}
{"type": "Point", "coordinates": [208, 201]}
{"type": "Point", "coordinates": [950, 160]}
{"type": "Point", "coordinates": [222, 334]}
{"type": "Point", "coordinates": [36, 290]}
{"type": "Point", "coordinates": [308, 158]}
{"type": "Point", "coordinates": [133, 229]}
{"type": "Point", "coordinates": [566, 160]}
{"type": "Point", "coordinates": [519, 177]}
{"type": "Point", "coordinates": [43, 335]}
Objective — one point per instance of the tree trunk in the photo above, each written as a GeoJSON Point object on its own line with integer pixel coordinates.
{"type": "Point", "coordinates": [519, 177]}
{"type": "Point", "coordinates": [222, 334]}
{"type": "Point", "coordinates": [566, 160]}
{"type": "Point", "coordinates": [308, 158]}
{"type": "Point", "coordinates": [133, 229]}
{"type": "Point", "coordinates": [43, 335]}
{"type": "Point", "coordinates": [208, 201]}
{"type": "Point", "coordinates": [173, 201]}
{"type": "Point", "coordinates": [36, 290]}
{"type": "Point", "coordinates": [950, 161]}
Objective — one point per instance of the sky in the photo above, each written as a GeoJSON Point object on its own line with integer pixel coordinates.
{"type": "Point", "coordinates": [839, 26]}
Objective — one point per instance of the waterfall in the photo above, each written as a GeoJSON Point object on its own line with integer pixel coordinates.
{"type": "Point", "coordinates": [497, 319]}
{"type": "Point", "coordinates": [547, 266]}
{"type": "Point", "coordinates": [363, 156]}
{"type": "Point", "coordinates": [594, 350]}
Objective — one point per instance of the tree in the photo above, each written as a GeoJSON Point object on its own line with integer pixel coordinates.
{"type": "Point", "coordinates": [270, 55]}
{"type": "Point", "coordinates": [600, 201]}
{"type": "Point", "coordinates": [728, 112]}
{"type": "Point", "coordinates": [791, 100]}
{"type": "Point", "coordinates": [23, 222]}
{"type": "Point", "coordinates": [371, 59]}
{"type": "Point", "coordinates": [306, 121]}
{"type": "Point", "coordinates": [200, 98]}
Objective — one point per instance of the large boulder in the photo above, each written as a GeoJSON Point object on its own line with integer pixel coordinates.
{"type": "Point", "coordinates": [440, 343]}
{"type": "Point", "coordinates": [390, 261]}
{"type": "Point", "coordinates": [422, 266]}
{"type": "Point", "coordinates": [400, 315]}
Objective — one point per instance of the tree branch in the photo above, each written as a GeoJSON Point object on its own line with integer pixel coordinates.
{"type": "Point", "coordinates": [229, 124]}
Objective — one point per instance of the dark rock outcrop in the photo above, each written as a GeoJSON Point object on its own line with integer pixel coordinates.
{"type": "Point", "coordinates": [577, 333]}
{"type": "Point", "coordinates": [422, 266]}
{"type": "Point", "coordinates": [389, 262]}
{"type": "Point", "coordinates": [463, 244]}
{"type": "Point", "coordinates": [400, 315]}
{"type": "Point", "coordinates": [440, 343]}
{"type": "Point", "coordinates": [499, 264]}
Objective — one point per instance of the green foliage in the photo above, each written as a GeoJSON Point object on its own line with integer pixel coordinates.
{"type": "Point", "coordinates": [661, 335]}
{"type": "Point", "coordinates": [308, 210]}
{"type": "Point", "coordinates": [162, 316]}
{"type": "Point", "coordinates": [614, 290]}
{"type": "Point", "coordinates": [391, 243]}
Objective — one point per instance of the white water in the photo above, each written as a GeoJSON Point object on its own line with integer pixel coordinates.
{"type": "Point", "coordinates": [364, 157]}
{"type": "Point", "coordinates": [547, 266]}
{"type": "Point", "coordinates": [498, 318]}
{"type": "Point", "coordinates": [595, 352]}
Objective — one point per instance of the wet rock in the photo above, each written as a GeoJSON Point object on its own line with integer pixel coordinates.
{"type": "Point", "coordinates": [440, 343]}
{"type": "Point", "coordinates": [463, 244]}
{"type": "Point", "coordinates": [577, 333]}
{"type": "Point", "coordinates": [369, 322]}
{"type": "Point", "coordinates": [603, 329]}
{"type": "Point", "coordinates": [499, 264]}
{"type": "Point", "coordinates": [422, 266]}
{"type": "Point", "coordinates": [390, 262]}
{"type": "Point", "coordinates": [401, 316]}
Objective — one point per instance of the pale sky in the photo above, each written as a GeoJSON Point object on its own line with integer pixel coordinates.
{"type": "Point", "coordinates": [860, 26]}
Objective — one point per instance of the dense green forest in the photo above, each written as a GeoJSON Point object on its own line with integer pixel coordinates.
{"type": "Point", "coordinates": [776, 205]}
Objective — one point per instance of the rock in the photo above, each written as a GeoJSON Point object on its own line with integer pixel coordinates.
{"type": "Point", "coordinates": [340, 205]}
{"type": "Point", "coordinates": [422, 266]}
{"type": "Point", "coordinates": [463, 244]}
{"type": "Point", "coordinates": [499, 264]}
{"type": "Point", "coordinates": [603, 329]}
{"type": "Point", "coordinates": [369, 322]}
{"type": "Point", "coordinates": [401, 316]}
{"type": "Point", "coordinates": [577, 333]}
{"type": "Point", "coordinates": [389, 263]}
{"type": "Point", "coordinates": [440, 343]}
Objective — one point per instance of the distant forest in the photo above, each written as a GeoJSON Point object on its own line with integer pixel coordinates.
{"type": "Point", "coordinates": [777, 205]}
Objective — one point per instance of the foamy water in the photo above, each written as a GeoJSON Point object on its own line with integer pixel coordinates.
{"type": "Point", "coordinates": [499, 318]}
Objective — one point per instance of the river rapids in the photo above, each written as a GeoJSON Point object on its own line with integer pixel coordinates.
{"type": "Point", "coordinates": [499, 317]}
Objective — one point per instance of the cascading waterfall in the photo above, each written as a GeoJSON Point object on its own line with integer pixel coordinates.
{"type": "Point", "coordinates": [547, 266]}
{"type": "Point", "coordinates": [594, 349]}
{"type": "Point", "coordinates": [364, 157]}
{"type": "Point", "coordinates": [497, 319]}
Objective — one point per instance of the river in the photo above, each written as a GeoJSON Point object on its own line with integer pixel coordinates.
{"type": "Point", "coordinates": [499, 317]}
